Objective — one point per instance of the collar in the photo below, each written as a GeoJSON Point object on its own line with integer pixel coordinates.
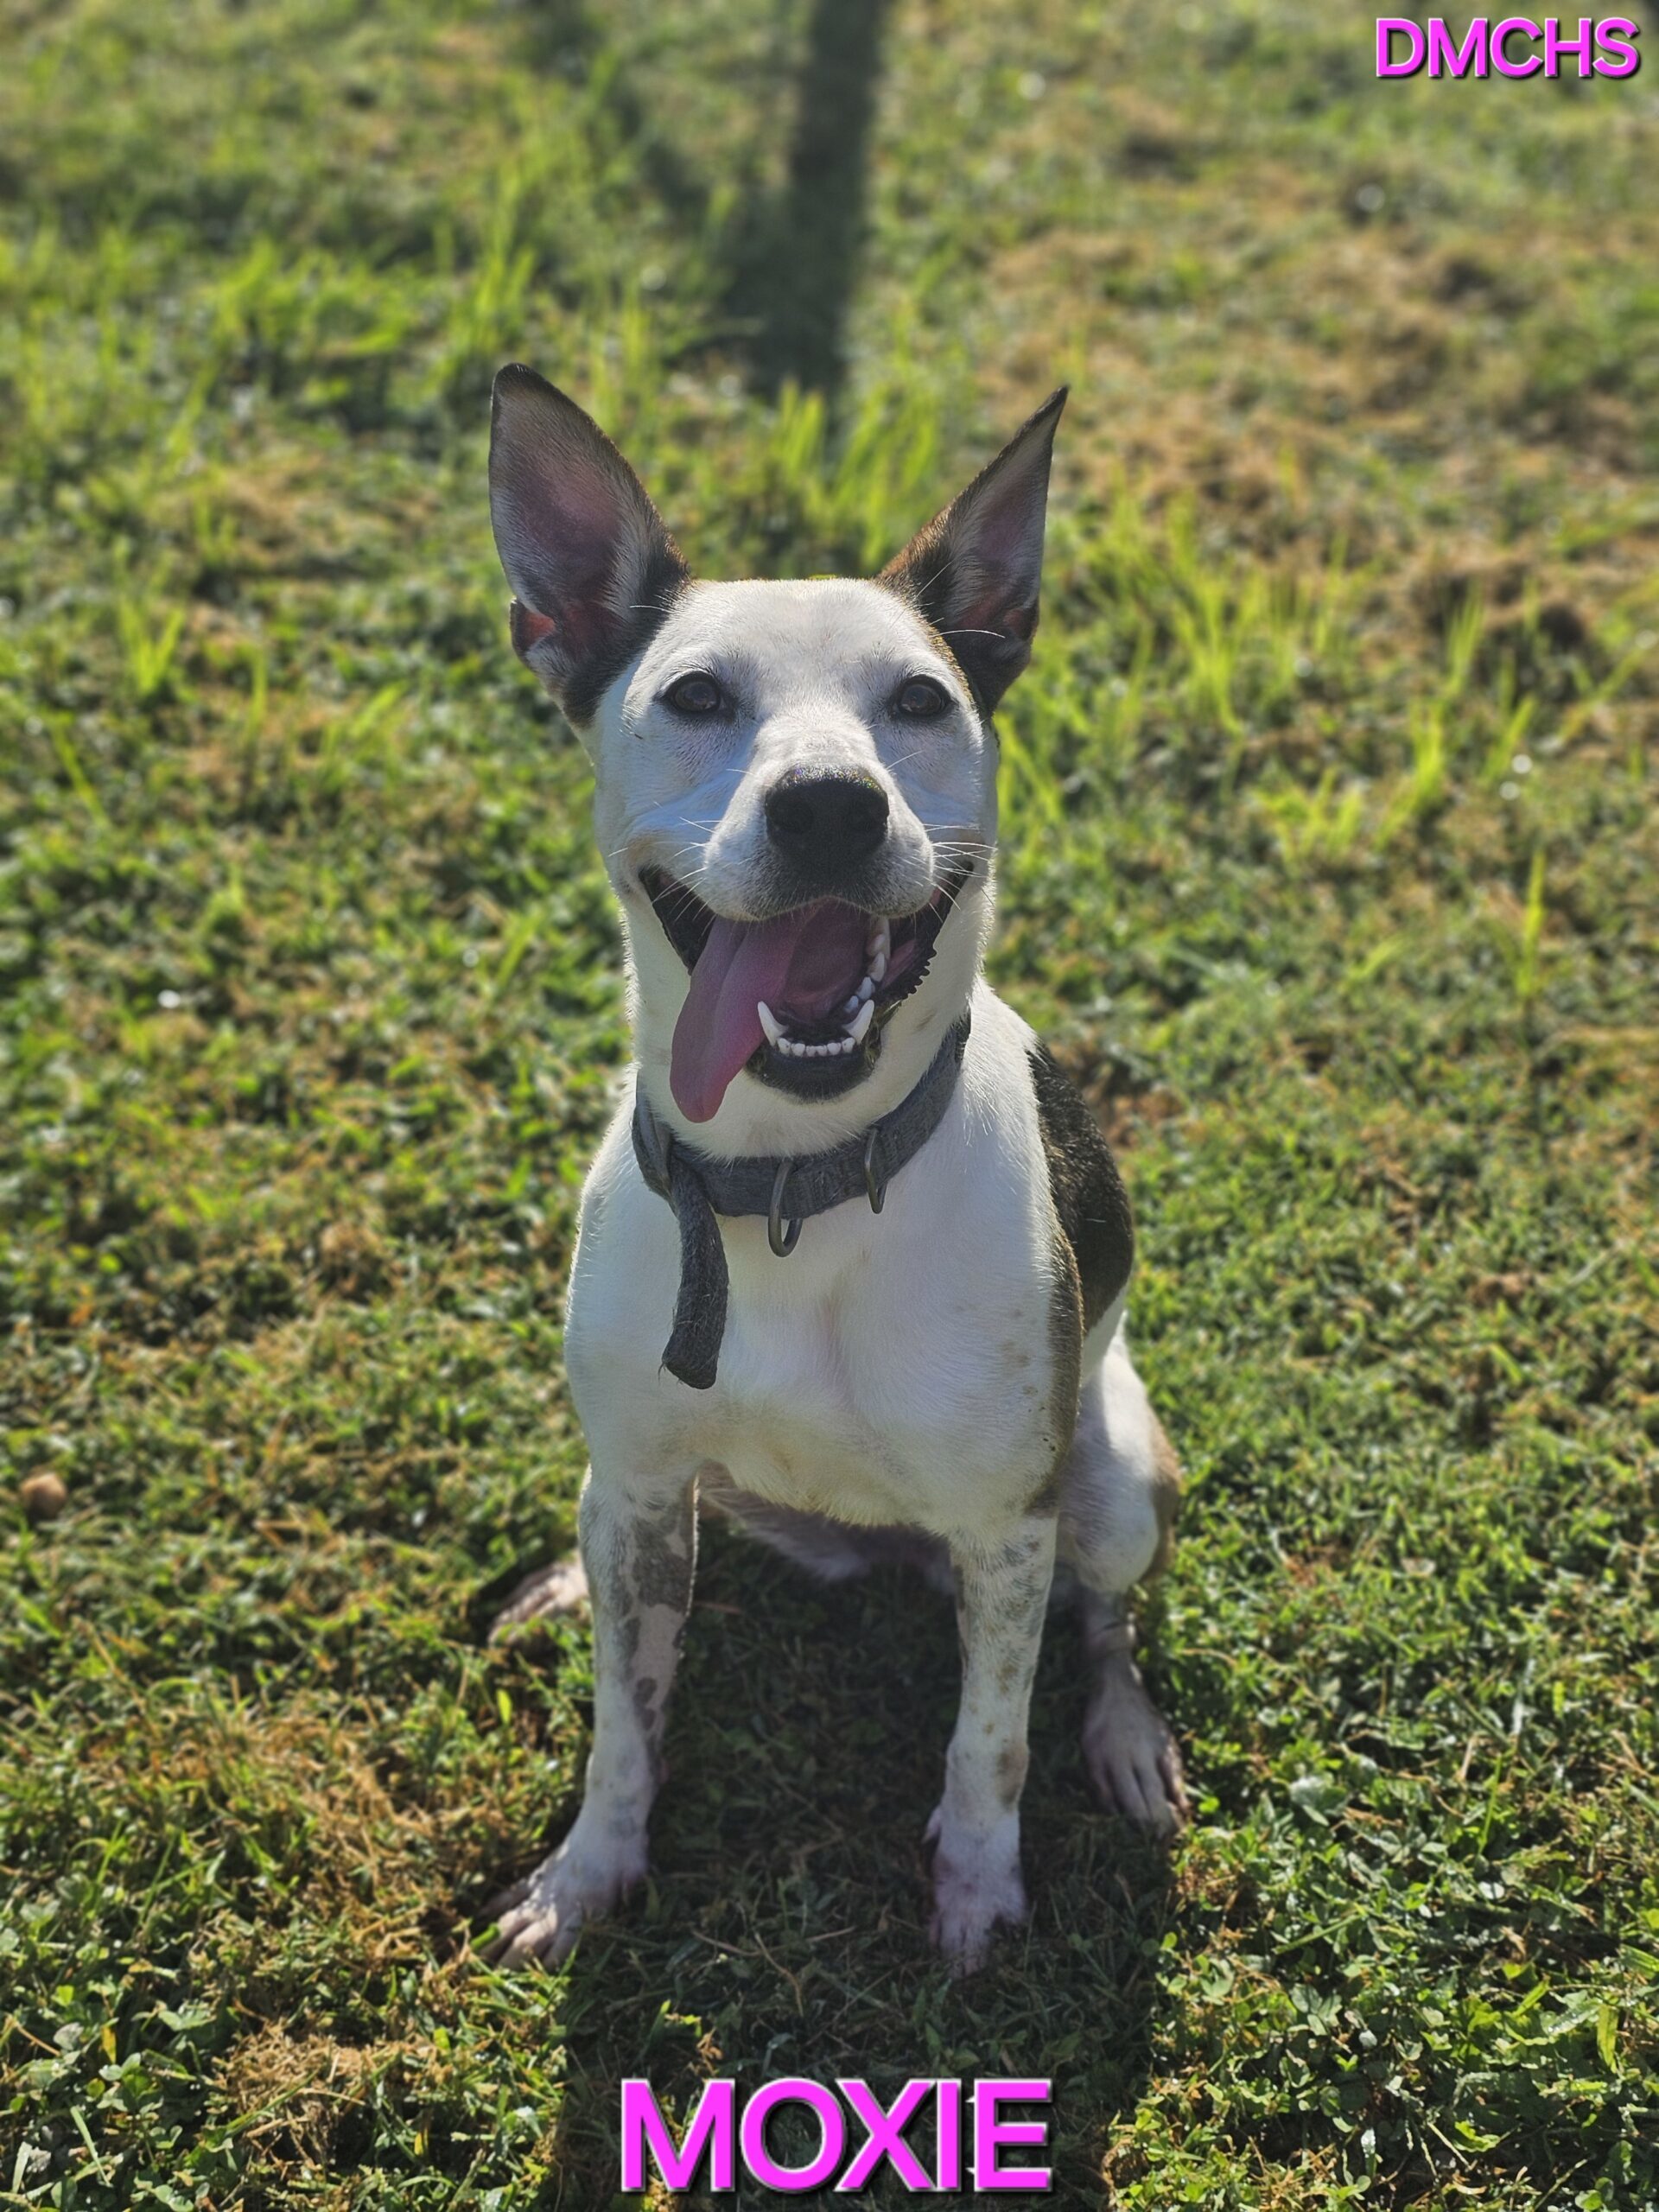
{"type": "Point", "coordinates": [787, 1192]}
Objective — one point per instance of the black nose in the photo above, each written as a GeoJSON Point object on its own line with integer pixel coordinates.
{"type": "Point", "coordinates": [826, 823]}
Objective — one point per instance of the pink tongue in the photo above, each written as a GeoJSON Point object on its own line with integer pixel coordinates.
{"type": "Point", "coordinates": [809, 962]}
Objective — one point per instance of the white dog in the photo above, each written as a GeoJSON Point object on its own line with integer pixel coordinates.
{"type": "Point", "coordinates": [853, 1255]}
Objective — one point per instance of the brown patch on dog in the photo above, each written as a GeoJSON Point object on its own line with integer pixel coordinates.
{"type": "Point", "coordinates": [1047, 1497]}
{"type": "Point", "coordinates": [1065, 1331]}
{"type": "Point", "coordinates": [1011, 1762]}
{"type": "Point", "coordinates": [663, 1558]}
{"type": "Point", "coordinates": [1090, 1203]}
{"type": "Point", "coordinates": [1166, 1498]}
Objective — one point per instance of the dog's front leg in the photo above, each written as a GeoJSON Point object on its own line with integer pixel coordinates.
{"type": "Point", "coordinates": [1002, 1600]}
{"type": "Point", "coordinates": [638, 1546]}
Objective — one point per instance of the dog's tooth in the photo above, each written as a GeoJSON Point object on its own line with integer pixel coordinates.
{"type": "Point", "coordinates": [880, 940]}
{"type": "Point", "coordinates": [851, 1005]}
{"type": "Point", "coordinates": [770, 1023]}
{"type": "Point", "coordinates": [862, 1022]}
{"type": "Point", "coordinates": [865, 991]}
{"type": "Point", "coordinates": [788, 1045]}
{"type": "Point", "coordinates": [878, 967]}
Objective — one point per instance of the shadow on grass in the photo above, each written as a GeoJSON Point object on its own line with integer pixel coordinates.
{"type": "Point", "coordinates": [794, 262]}
{"type": "Point", "coordinates": [783, 1931]}
{"type": "Point", "coordinates": [788, 262]}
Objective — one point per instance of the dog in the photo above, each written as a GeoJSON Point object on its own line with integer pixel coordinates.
{"type": "Point", "coordinates": [853, 1257]}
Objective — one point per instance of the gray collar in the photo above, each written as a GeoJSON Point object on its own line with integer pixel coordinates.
{"type": "Point", "coordinates": [785, 1190]}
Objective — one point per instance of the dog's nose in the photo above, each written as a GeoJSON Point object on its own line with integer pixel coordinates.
{"type": "Point", "coordinates": [826, 821]}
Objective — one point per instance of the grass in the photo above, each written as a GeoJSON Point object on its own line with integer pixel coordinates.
{"type": "Point", "coordinates": [1330, 868]}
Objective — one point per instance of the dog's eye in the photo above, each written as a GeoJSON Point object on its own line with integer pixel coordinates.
{"type": "Point", "coordinates": [920, 698]}
{"type": "Point", "coordinates": [694, 695]}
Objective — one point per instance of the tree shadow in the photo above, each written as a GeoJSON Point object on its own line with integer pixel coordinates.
{"type": "Point", "coordinates": [788, 261]}
{"type": "Point", "coordinates": [794, 262]}
{"type": "Point", "coordinates": [783, 1929]}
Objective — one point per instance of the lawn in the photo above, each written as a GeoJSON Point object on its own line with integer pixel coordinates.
{"type": "Point", "coordinates": [1331, 870]}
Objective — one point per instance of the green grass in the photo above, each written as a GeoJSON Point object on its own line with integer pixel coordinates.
{"type": "Point", "coordinates": [1331, 869]}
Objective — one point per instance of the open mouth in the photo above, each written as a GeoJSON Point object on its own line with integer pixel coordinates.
{"type": "Point", "coordinates": [799, 1000]}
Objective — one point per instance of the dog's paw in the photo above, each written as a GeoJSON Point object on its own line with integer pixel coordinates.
{"type": "Point", "coordinates": [553, 1592]}
{"type": "Point", "coordinates": [977, 1888]}
{"type": "Point", "coordinates": [1130, 1755]}
{"type": "Point", "coordinates": [538, 1919]}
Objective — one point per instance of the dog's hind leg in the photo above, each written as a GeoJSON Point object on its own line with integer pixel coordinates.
{"type": "Point", "coordinates": [553, 1592]}
{"type": "Point", "coordinates": [1119, 1490]}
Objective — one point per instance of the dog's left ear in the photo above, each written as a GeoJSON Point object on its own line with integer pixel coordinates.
{"type": "Point", "coordinates": [593, 566]}
{"type": "Point", "coordinates": [973, 572]}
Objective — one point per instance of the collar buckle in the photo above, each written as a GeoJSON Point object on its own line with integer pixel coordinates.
{"type": "Point", "coordinates": [782, 1240]}
{"type": "Point", "coordinates": [875, 1185]}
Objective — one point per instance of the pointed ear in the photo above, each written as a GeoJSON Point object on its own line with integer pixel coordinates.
{"type": "Point", "coordinates": [594, 568]}
{"type": "Point", "coordinates": [973, 572]}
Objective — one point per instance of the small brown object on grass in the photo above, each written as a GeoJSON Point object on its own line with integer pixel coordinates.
{"type": "Point", "coordinates": [43, 1497]}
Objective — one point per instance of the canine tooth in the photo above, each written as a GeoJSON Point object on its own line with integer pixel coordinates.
{"type": "Point", "coordinates": [862, 1022]}
{"type": "Point", "coordinates": [866, 992]}
{"type": "Point", "coordinates": [879, 941]}
{"type": "Point", "coordinates": [770, 1023]}
{"type": "Point", "coordinates": [878, 967]}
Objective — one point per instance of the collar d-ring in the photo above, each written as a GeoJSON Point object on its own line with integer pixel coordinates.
{"type": "Point", "coordinates": [874, 1184]}
{"type": "Point", "coordinates": [783, 1241]}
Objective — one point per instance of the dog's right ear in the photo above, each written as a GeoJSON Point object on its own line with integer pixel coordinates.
{"type": "Point", "coordinates": [594, 568]}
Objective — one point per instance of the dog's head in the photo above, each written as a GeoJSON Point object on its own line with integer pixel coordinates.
{"type": "Point", "coordinates": [796, 789]}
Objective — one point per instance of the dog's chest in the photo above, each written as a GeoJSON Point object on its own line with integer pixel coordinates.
{"type": "Point", "coordinates": [916, 1367]}
{"type": "Point", "coordinates": [914, 1389]}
